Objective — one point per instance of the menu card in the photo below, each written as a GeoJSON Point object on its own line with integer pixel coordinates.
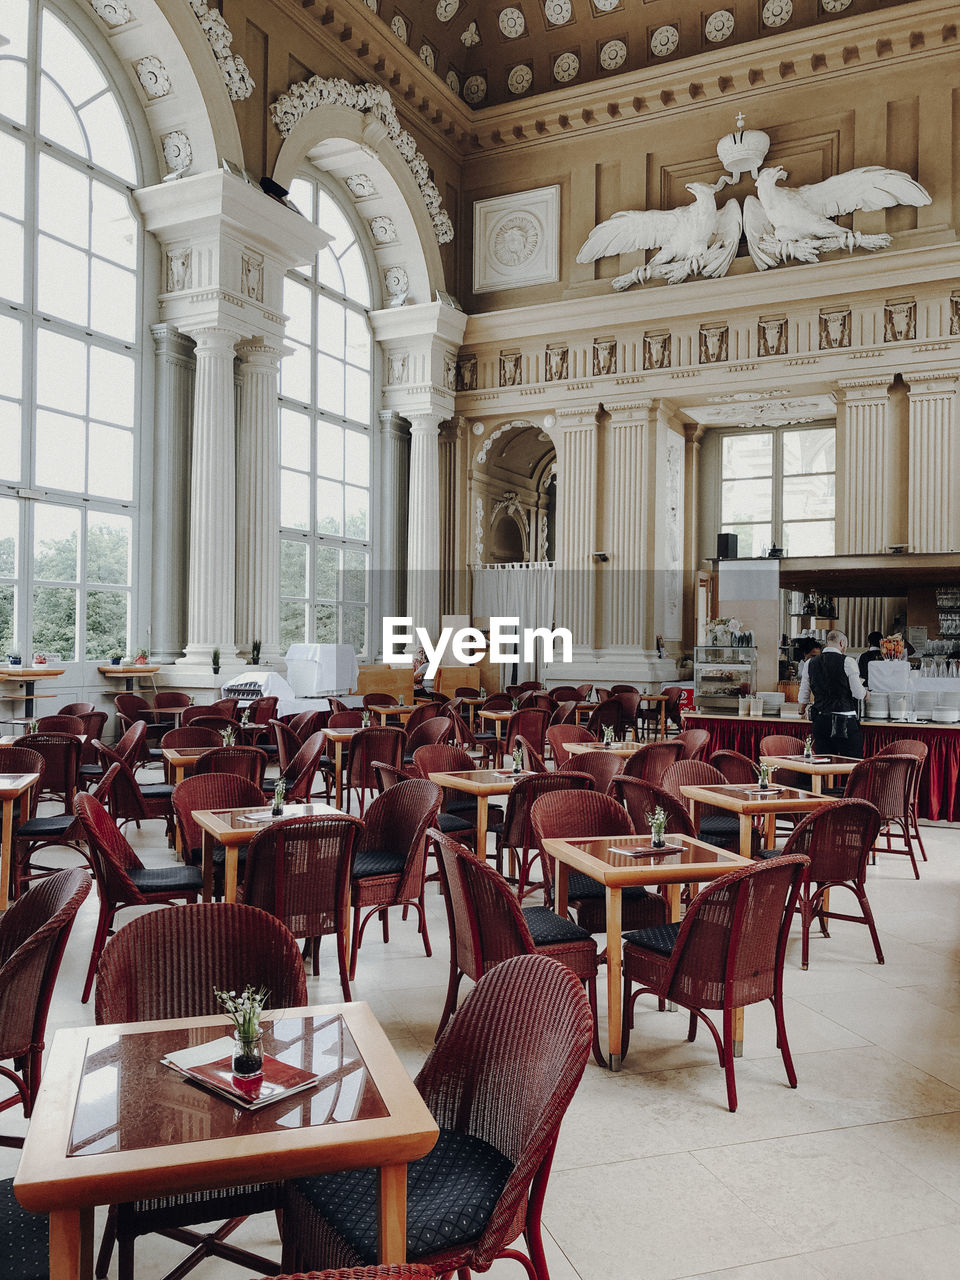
{"type": "Point", "coordinates": [211, 1066]}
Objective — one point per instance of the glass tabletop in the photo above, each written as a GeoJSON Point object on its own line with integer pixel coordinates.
{"type": "Point", "coordinates": [632, 851]}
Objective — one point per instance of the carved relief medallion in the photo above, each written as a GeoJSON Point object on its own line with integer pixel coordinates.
{"type": "Point", "coordinates": [834, 329]}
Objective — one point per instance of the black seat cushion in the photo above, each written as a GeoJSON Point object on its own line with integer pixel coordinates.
{"type": "Point", "coordinates": [46, 828]}
{"type": "Point", "coordinates": [167, 879]}
{"type": "Point", "coordinates": [24, 1244]}
{"type": "Point", "coordinates": [547, 928]}
{"type": "Point", "coordinates": [450, 823]}
{"type": "Point", "coordinates": [91, 771]}
{"type": "Point", "coordinates": [658, 937]}
{"type": "Point", "coordinates": [157, 791]}
{"type": "Point", "coordinates": [719, 824]}
{"type": "Point", "coordinates": [767, 853]}
{"type": "Point", "coordinates": [377, 862]}
{"type": "Point", "coordinates": [580, 886]}
{"type": "Point", "coordinates": [451, 1194]}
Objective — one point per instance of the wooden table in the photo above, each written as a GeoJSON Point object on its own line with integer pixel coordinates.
{"type": "Point", "coordinates": [584, 710]}
{"type": "Point", "coordinates": [471, 705]}
{"type": "Point", "coordinates": [604, 859]}
{"type": "Point", "coordinates": [497, 718]}
{"type": "Point", "coordinates": [113, 1124]}
{"type": "Point", "coordinates": [182, 760]}
{"type": "Point", "coordinates": [818, 768]}
{"type": "Point", "coordinates": [625, 749]}
{"type": "Point", "coordinates": [129, 674]}
{"type": "Point", "coordinates": [28, 677]}
{"type": "Point", "coordinates": [234, 828]}
{"type": "Point", "coordinates": [748, 801]}
{"type": "Point", "coordinates": [651, 700]}
{"type": "Point", "coordinates": [401, 709]}
{"type": "Point", "coordinates": [12, 785]}
{"type": "Point", "coordinates": [481, 783]}
{"type": "Point", "coordinates": [339, 737]}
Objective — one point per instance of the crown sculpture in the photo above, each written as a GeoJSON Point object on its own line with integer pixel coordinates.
{"type": "Point", "coordinates": [782, 224]}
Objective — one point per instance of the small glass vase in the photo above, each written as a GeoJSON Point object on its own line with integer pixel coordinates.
{"type": "Point", "coordinates": [657, 841]}
{"type": "Point", "coordinates": [247, 1055]}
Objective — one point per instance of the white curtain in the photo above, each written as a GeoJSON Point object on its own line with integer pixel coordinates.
{"type": "Point", "coordinates": [524, 591]}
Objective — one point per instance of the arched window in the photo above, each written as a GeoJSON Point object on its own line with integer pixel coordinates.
{"type": "Point", "coordinates": [71, 249]}
{"type": "Point", "coordinates": [326, 442]}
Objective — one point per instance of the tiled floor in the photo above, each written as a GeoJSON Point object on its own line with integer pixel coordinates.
{"type": "Point", "coordinates": [855, 1174]}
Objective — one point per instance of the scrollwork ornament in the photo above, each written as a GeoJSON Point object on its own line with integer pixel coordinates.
{"type": "Point", "coordinates": [235, 72]}
{"type": "Point", "coordinates": [113, 12]}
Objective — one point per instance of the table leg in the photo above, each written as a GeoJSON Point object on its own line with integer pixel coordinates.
{"type": "Point", "coordinates": [663, 720]}
{"type": "Point", "coordinates": [5, 852]}
{"type": "Point", "coordinates": [746, 846]}
{"type": "Point", "coordinates": [337, 777]}
{"type": "Point", "coordinates": [71, 1244]}
{"type": "Point", "coordinates": [614, 977]}
{"type": "Point", "coordinates": [675, 901]}
{"type": "Point", "coordinates": [392, 1213]}
{"type": "Point", "coordinates": [560, 880]}
{"type": "Point", "coordinates": [230, 873]}
{"type": "Point", "coordinates": [816, 783]}
{"type": "Point", "coordinates": [128, 684]}
{"type": "Point", "coordinates": [746, 835]}
{"type": "Point", "coordinates": [206, 854]}
{"type": "Point", "coordinates": [29, 688]}
{"type": "Point", "coordinates": [482, 807]}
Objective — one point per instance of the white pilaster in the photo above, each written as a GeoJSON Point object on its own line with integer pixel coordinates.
{"type": "Point", "coordinates": [861, 467]}
{"type": "Point", "coordinates": [623, 517]}
{"type": "Point", "coordinates": [395, 473]}
{"type": "Point", "coordinates": [258, 501]}
{"type": "Point", "coordinates": [171, 490]}
{"type": "Point", "coordinates": [576, 440]}
{"type": "Point", "coordinates": [934, 490]}
{"type": "Point", "coordinates": [423, 523]}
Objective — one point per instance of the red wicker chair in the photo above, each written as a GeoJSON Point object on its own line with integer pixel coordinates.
{"type": "Point", "coordinates": [695, 743]}
{"type": "Point", "coordinates": [582, 692]}
{"type": "Point", "coordinates": [60, 724]}
{"type": "Point", "coordinates": [299, 870]}
{"type": "Point", "coordinates": [423, 712]}
{"type": "Point", "coordinates": [122, 879]}
{"type": "Point", "coordinates": [837, 840]}
{"type": "Point", "coordinates": [195, 949]}
{"type": "Point", "coordinates": [33, 934]}
{"type": "Point", "coordinates": [337, 706]}
{"type": "Point", "coordinates": [570, 815]}
{"type": "Point", "coordinates": [517, 834]}
{"type": "Point", "coordinates": [300, 773]}
{"type": "Point", "coordinates": [672, 712]}
{"type": "Point", "coordinates": [466, 691]}
{"type": "Point", "coordinates": [349, 718]}
{"type": "Point", "coordinates": [93, 725]}
{"type": "Point", "coordinates": [389, 861]}
{"type": "Point", "coordinates": [427, 732]}
{"type": "Point", "coordinates": [225, 707]}
{"type": "Point", "coordinates": [288, 742]}
{"type": "Point", "coordinates": [564, 713]}
{"type": "Point", "coordinates": [384, 744]}
{"type": "Point", "coordinates": [603, 695]}
{"type": "Point", "coordinates": [131, 707]}
{"type": "Point", "coordinates": [640, 797]}
{"type": "Point", "coordinates": [629, 700]}
{"type": "Point", "coordinates": [61, 765]}
{"type": "Point", "coordinates": [558, 735]}
{"type": "Point", "coordinates": [530, 723]}
{"type": "Point", "coordinates": [189, 714]}
{"type": "Point", "coordinates": [210, 791]}
{"type": "Point", "coordinates": [888, 782]}
{"type": "Point", "coordinates": [727, 953]}
{"type": "Point", "coordinates": [220, 723]}
{"type": "Point", "coordinates": [128, 801]}
{"type": "Point", "coordinates": [187, 737]}
{"type": "Point", "coordinates": [533, 761]}
{"type": "Point", "coordinates": [379, 700]}
{"type": "Point", "coordinates": [602, 766]}
{"type": "Point", "coordinates": [715, 826]}
{"type": "Point", "coordinates": [498, 1124]}
{"type": "Point", "coordinates": [651, 760]}
{"type": "Point", "coordinates": [248, 762]}
{"type": "Point", "coordinates": [607, 715]}
{"type": "Point", "coordinates": [564, 693]}
{"type": "Point", "coordinates": [488, 925]}
{"type": "Point", "coordinates": [33, 833]}
{"type": "Point", "coordinates": [458, 812]}
{"type": "Point", "coordinates": [786, 744]}
{"type": "Point", "coordinates": [386, 1271]}
{"type": "Point", "coordinates": [623, 688]}
{"type": "Point", "coordinates": [170, 700]}
{"type": "Point", "coordinates": [130, 749]}
{"type": "Point", "coordinates": [735, 767]}
{"type": "Point", "coordinates": [910, 747]}
{"type": "Point", "coordinates": [77, 709]}
{"type": "Point", "coordinates": [388, 776]}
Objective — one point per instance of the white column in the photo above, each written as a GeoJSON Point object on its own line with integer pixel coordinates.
{"type": "Point", "coordinates": [258, 501]}
{"type": "Point", "coordinates": [934, 490]}
{"type": "Point", "coordinates": [171, 491]}
{"type": "Point", "coordinates": [576, 436]}
{"type": "Point", "coordinates": [861, 468]}
{"type": "Point", "coordinates": [423, 524]}
{"type": "Point", "coordinates": [624, 510]}
{"type": "Point", "coordinates": [693, 434]}
{"type": "Point", "coordinates": [453, 517]}
{"type": "Point", "coordinates": [211, 598]}
{"type": "Point", "coordinates": [395, 472]}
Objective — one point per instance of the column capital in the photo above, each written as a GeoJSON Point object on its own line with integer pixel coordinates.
{"type": "Point", "coordinates": [266, 355]}
{"type": "Point", "coordinates": [392, 423]}
{"type": "Point", "coordinates": [939, 383]}
{"type": "Point", "coordinates": [211, 339]}
{"type": "Point", "coordinates": [170, 342]}
{"type": "Point", "coordinates": [576, 418]}
{"type": "Point", "coordinates": [427, 422]}
{"type": "Point", "coordinates": [629, 413]}
{"type": "Point", "coordinates": [693, 432]}
{"type": "Point", "coordinates": [852, 390]}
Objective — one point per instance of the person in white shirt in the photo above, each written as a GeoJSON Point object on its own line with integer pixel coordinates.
{"type": "Point", "coordinates": [833, 682]}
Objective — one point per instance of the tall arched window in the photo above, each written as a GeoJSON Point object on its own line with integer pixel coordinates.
{"type": "Point", "coordinates": [326, 447]}
{"type": "Point", "coordinates": [70, 333]}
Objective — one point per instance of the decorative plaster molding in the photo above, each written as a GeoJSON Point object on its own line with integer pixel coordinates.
{"type": "Point", "coordinates": [495, 435]}
{"type": "Point", "coordinates": [177, 152]}
{"type": "Point", "coordinates": [113, 12]}
{"type": "Point", "coordinates": [153, 76]}
{"type": "Point", "coordinates": [478, 532]}
{"type": "Point", "coordinates": [368, 99]}
{"type": "Point", "coordinates": [235, 72]}
{"type": "Point", "coordinates": [516, 240]}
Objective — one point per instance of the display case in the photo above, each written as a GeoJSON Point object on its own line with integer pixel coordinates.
{"type": "Point", "coordinates": [722, 674]}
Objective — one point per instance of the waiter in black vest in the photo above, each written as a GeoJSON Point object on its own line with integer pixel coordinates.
{"type": "Point", "coordinates": [832, 679]}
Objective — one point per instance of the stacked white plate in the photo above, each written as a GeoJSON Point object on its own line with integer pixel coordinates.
{"type": "Point", "coordinates": [878, 707]}
{"type": "Point", "coordinates": [948, 698]}
{"type": "Point", "coordinates": [946, 715]}
{"type": "Point", "coordinates": [790, 711]}
{"type": "Point", "coordinates": [925, 700]}
{"type": "Point", "coordinates": [772, 702]}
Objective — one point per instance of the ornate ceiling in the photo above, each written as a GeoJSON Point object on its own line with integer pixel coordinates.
{"type": "Point", "coordinates": [490, 52]}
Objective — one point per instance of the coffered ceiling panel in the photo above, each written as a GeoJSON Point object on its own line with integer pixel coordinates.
{"type": "Point", "coordinates": [490, 52]}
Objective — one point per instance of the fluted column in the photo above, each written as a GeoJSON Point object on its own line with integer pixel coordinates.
{"type": "Point", "coordinates": [624, 508]}
{"type": "Point", "coordinates": [576, 435]}
{"type": "Point", "coordinates": [862, 496]}
{"type": "Point", "coordinates": [171, 490]}
{"type": "Point", "coordinates": [933, 486]}
{"type": "Point", "coordinates": [423, 523]}
{"type": "Point", "coordinates": [211, 598]}
{"type": "Point", "coordinates": [258, 501]}
{"type": "Point", "coordinates": [453, 534]}
{"type": "Point", "coordinates": [693, 433]}
{"type": "Point", "coordinates": [395, 473]}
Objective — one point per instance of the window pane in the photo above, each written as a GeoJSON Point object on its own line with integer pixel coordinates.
{"type": "Point", "coordinates": [357, 461]}
{"type": "Point", "coordinates": [111, 462]}
{"type": "Point", "coordinates": [113, 300]}
{"type": "Point", "coordinates": [61, 372]}
{"type": "Point", "coordinates": [112, 386]}
{"type": "Point", "coordinates": [805, 452]}
{"type": "Point", "coordinates": [327, 565]}
{"type": "Point", "coordinates": [109, 139]}
{"type": "Point", "coordinates": [58, 120]}
{"type": "Point", "coordinates": [13, 89]}
{"type": "Point", "coordinates": [55, 621]}
{"type": "Point", "coordinates": [329, 507]}
{"type": "Point", "coordinates": [11, 373]}
{"type": "Point", "coordinates": [355, 627]}
{"type": "Point", "coordinates": [293, 623]}
{"type": "Point", "coordinates": [326, 623]}
{"type": "Point", "coordinates": [810, 538]}
{"type": "Point", "coordinates": [9, 440]}
{"type": "Point", "coordinates": [753, 539]}
{"type": "Point", "coordinates": [61, 280]}
{"type": "Point", "coordinates": [11, 260]}
{"type": "Point", "coordinates": [60, 446]}
{"type": "Point", "coordinates": [56, 541]}
{"type": "Point", "coordinates": [294, 500]}
{"type": "Point", "coordinates": [293, 568]}
{"type": "Point", "coordinates": [358, 340]}
{"type": "Point", "coordinates": [113, 231]}
{"type": "Point", "coordinates": [106, 622]}
{"type": "Point", "coordinates": [747, 455]}
{"type": "Point", "coordinates": [328, 271]}
{"type": "Point", "coordinates": [809, 497]}
{"type": "Point", "coordinates": [330, 326]}
{"type": "Point", "coordinates": [63, 202]}
{"type": "Point", "coordinates": [9, 535]}
{"type": "Point", "coordinates": [355, 281]}
{"type": "Point", "coordinates": [354, 575]}
{"type": "Point", "coordinates": [358, 395]}
{"type": "Point", "coordinates": [329, 384]}
{"type": "Point", "coordinates": [65, 58]}
{"type": "Point", "coordinates": [8, 605]}
{"type": "Point", "coordinates": [747, 500]}
{"type": "Point", "coordinates": [301, 193]}
{"type": "Point", "coordinates": [357, 505]}
{"type": "Point", "coordinates": [294, 440]}
{"type": "Point", "coordinates": [330, 450]}
{"type": "Point", "coordinates": [108, 548]}
{"type": "Point", "coordinates": [295, 374]}
{"type": "Point", "coordinates": [333, 222]}
{"type": "Point", "coordinates": [12, 161]}
{"type": "Point", "coordinates": [296, 303]}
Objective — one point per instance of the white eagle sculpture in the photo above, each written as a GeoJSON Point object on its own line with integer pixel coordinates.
{"type": "Point", "coordinates": [694, 239]}
{"type": "Point", "coordinates": [784, 223]}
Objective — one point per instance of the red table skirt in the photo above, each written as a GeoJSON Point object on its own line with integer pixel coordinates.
{"type": "Point", "coordinates": [939, 784]}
